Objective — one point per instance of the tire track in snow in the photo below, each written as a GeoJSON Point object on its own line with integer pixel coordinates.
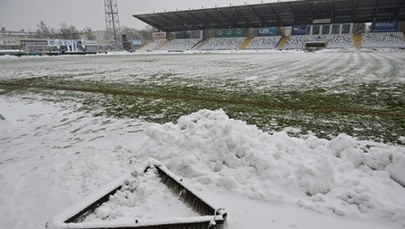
{"type": "Point", "coordinates": [323, 71]}
{"type": "Point", "coordinates": [393, 67]}
{"type": "Point", "coordinates": [318, 71]}
{"type": "Point", "coordinates": [292, 66]}
{"type": "Point", "coordinates": [271, 70]}
{"type": "Point", "coordinates": [332, 75]}
{"type": "Point", "coordinates": [353, 64]}
{"type": "Point", "coordinates": [277, 72]}
{"type": "Point", "coordinates": [373, 65]}
{"type": "Point", "coordinates": [291, 74]}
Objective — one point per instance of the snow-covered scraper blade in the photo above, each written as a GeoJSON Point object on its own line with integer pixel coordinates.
{"type": "Point", "coordinates": [204, 215]}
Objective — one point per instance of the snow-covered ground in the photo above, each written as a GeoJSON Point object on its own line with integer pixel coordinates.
{"type": "Point", "coordinates": [53, 153]}
{"type": "Point", "coordinates": [52, 156]}
{"type": "Point", "coordinates": [263, 70]}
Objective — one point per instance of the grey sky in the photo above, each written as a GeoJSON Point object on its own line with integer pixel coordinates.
{"type": "Point", "coordinates": [26, 14]}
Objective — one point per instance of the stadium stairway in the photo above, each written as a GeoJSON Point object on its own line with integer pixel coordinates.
{"type": "Point", "coordinates": [281, 44]}
{"type": "Point", "coordinates": [145, 44]}
{"type": "Point", "coordinates": [246, 42]}
{"type": "Point", "coordinates": [357, 40]}
{"type": "Point", "coordinates": [200, 44]}
{"type": "Point", "coordinates": [162, 45]}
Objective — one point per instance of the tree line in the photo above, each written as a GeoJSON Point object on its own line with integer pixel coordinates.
{"type": "Point", "coordinates": [71, 32]}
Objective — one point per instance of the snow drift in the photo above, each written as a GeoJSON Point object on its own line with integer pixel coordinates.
{"type": "Point", "coordinates": [52, 156]}
{"type": "Point", "coordinates": [344, 176]}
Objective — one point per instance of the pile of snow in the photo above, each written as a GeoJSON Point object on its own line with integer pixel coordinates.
{"type": "Point", "coordinates": [52, 156]}
{"type": "Point", "coordinates": [343, 176]}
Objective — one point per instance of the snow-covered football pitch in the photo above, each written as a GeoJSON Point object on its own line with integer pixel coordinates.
{"type": "Point", "coordinates": [279, 139]}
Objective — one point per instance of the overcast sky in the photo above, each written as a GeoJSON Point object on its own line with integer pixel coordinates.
{"type": "Point", "coordinates": [26, 14]}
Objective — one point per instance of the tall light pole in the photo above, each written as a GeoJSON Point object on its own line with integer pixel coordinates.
{"type": "Point", "coordinates": [112, 23]}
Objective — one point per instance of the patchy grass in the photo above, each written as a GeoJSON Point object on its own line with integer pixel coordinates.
{"type": "Point", "coordinates": [368, 111]}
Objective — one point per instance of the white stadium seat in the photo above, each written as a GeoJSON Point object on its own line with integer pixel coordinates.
{"type": "Point", "coordinates": [383, 40]}
{"type": "Point", "coordinates": [180, 44]}
{"type": "Point", "coordinates": [152, 45]}
{"type": "Point", "coordinates": [333, 41]}
{"type": "Point", "coordinates": [264, 42]}
{"type": "Point", "coordinates": [223, 43]}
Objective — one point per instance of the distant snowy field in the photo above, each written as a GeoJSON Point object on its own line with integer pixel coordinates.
{"type": "Point", "coordinates": [52, 154]}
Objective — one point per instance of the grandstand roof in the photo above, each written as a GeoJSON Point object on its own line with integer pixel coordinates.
{"type": "Point", "coordinates": [278, 14]}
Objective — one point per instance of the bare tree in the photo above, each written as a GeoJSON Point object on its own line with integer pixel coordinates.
{"type": "Point", "coordinates": [43, 31]}
{"type": "Point", "coordinates": [64, 32]}
{"type": "Point", "coordinates": [88, 33]}
{"type": "Point", "coordinates": [67, 32]}
{"type": "Point", "coordinates": [134, 34]}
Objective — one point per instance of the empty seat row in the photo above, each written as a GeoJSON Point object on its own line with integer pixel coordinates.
{"type": "Point", "coordinates": [264, 42]}
{"type": "Point", "coordinates": [332, 41]}
{"type": "Point", "coordinates": [223, 43]}
{"type": "Point", "coordinates": [369, 40]}
{"type": "Point", "coordinates": [152, 45]}
{"type": "Point", "coordinates": [383, 40]}
{"type": "Point", "coordinates": [180, 44]}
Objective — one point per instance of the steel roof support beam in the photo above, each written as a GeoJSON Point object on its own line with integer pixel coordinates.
{"type": "Point", "coordinates": [197, 20]}
{"type": "Point", "coordinates": [332, 12]}
{"type": "Point", "coordinates": [155, 23]}
{"type": "Point", "coordinates": [312, 10]}
{"type": "Point", "coordinates": [292, 11]}
{"type": "Point", "coordinates": [248, 23]}
{"type": "Point", "coordinates": [354, 7]}
{"type": "Point", "coordinates": [208, 17]}
{"type": "Point", "coordinates": [187, 25]}
{"type": "Point", "coordinates": [262, 21]}
{"type": "Point", "coordinates": [227, 18]}
{"type": "Point", "coordinates": [174, 19]}
{"type": "Point", "coordinates": [399, 10]}
{"type": "Point", "coordinates": [275, 15]}
{"type": "Point", "coordinates": [172, 23]}
{"type": "Point", "coordinates": [377, 5]}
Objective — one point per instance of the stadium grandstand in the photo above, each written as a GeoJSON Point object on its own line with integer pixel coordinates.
{"type": "Point", "coordinates": [304, 24]}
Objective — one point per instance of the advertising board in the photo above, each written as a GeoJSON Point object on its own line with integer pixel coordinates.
{"type": "Point", "coordinates": [57, 42]}
{"type": "Point", "coordinates": [273, 31]}
{"type": "Point", "coordinates": [229, 33]}
{"type": "Point", "coordinates": [7, 42]}
{"type": "Point", "coordinates": [269, 31]}
{"type": "Point", "coordinates": [299, 30]}
{"type": "Point", "coordinates": [264, 31]}
{"type": "Point", "coordinates": [159, 35]}
{"type": "Point", "coordinates": [384, 26]}
{"type": "Point", "coordinates": [192, 34]}
{"type": "Point", "coordinates": [322, 21]}
{"type": "Point", "coordinates": [137, 42]}
{"type": "Point", "coordinates": [34, 42]}
{"type": "Point", "coordinates": [90, 42]}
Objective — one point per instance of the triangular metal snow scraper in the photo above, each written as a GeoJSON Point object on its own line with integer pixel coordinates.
{"type": "Point", "coordinates": [210, 217]}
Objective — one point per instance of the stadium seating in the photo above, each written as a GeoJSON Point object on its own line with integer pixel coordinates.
{"type": "Point", "coordinates": [152, 45]}
{"type": "Point", "coordinates": [333, 41]}
{"type": "Point", "coordinates": [180, 44]}
{"type": "Point", "coordinates": [383, 40]}
{"type": "Point", "coordinates": [223, 43]}
{"type": "Point", "coordinates": [340, 41]}
{"type": "Point", "coordinates": [297, 42]}
{"type": "Point", "coordinates": [264, 42]}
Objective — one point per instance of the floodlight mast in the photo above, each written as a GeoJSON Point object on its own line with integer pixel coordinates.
{"type": "Point", "coordinates": [112, 23]}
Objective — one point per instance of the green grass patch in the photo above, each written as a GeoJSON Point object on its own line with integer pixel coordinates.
{"type": "Point", "coordinates": [367, 111]}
